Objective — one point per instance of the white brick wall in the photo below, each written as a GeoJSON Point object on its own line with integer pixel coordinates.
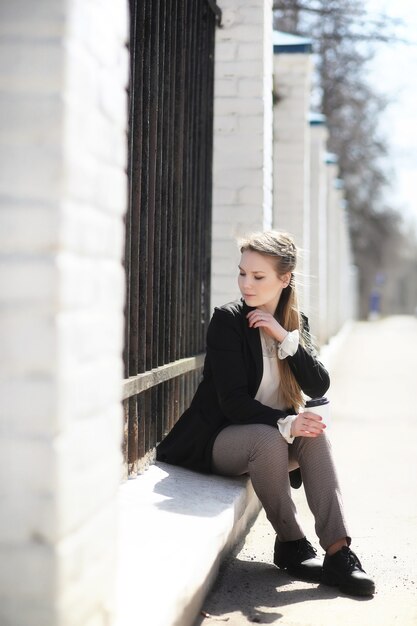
{"type": "Point", "coordinates": [307, 202]}
{"type": "Point", "coordinates": [318, 233]}
{"type": "Point", "coordinates": [63, 73]}
{"type": "Point", "coordinates": [291, 206]}
{"type": "Point", "coordinates": [242, 166]}
{"type": "Point", "coordinates": [333, 250]}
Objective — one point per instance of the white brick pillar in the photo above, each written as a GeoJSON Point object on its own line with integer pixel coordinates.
{"type": "Point", "coordinates": [346, 298]}
{"type": "Point", "coordinates": [63, 75]}
{"type": "Point", "coordinates": [317, 245]}
{"type": "Point", "coordinates": [291, 145]}
{"type": "Point", "coordinates": [242, 161]}
{"type": "Point", "coordinates": [333, 245]}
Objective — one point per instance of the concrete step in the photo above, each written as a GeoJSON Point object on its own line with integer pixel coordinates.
{"type": "Point", "coordinates": [175, 527]}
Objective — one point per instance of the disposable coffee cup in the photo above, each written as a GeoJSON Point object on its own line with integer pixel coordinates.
{"type": "Point", "coordinates": [319, 406]}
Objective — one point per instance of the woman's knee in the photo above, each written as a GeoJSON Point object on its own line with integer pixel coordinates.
{"type": "Point", "coordinates": [321, 441]}
{"type": "Point", "coordinates": [314, 447]}
{"type": "Point", "coordinates": [238, 445]}
{"type": "Point", "coordinates": [268, 440]}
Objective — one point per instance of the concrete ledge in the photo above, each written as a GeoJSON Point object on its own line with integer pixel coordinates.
{"type": "Point", "coordinates": [175, 527]}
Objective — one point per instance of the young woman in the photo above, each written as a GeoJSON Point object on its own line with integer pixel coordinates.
{"type": "Point", "coordinates": [246, 415]}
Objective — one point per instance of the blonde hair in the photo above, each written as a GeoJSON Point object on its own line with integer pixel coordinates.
{"type": "Point", "coordinates": [280, 246]}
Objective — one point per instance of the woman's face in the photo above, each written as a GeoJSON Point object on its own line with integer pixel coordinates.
{"type": "Point", "coordinates": [258, 281]}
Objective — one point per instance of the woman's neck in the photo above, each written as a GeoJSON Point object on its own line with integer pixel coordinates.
{"type": "Point", "coordinates": [269, 307]}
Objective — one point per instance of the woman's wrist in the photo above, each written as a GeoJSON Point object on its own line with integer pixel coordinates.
{"type": "Point", "coordinates": [281, 333]}
{"type": "Point", "coordinates": [284, 426]}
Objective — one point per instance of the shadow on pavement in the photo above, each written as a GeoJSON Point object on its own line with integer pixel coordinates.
{"type": "Point", "coordinates": [260, 586]}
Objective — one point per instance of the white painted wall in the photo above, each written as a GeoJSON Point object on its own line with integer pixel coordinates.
{"type": "Point", "coordinates": [334, 261]}
{"type": "Point", "coordinates": [291, 156]}
{"type": "Point", "coordinates": [242, 162]}
{"type": "Point", "coordinates": [318, 228]}
{"type": "Point", "coordinates": [308, 199]}
{"type": "Point", "coordinates": [63, 115]}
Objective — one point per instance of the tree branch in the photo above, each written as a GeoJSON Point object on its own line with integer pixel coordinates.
{"type": "Point", "coordinates": [299, 6]}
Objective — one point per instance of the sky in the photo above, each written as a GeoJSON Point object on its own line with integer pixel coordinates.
{"type": "Point", "coordinates": [394, 72]}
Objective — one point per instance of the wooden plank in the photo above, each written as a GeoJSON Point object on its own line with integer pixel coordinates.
{"type": "Point", "coordinates": [137, 384]}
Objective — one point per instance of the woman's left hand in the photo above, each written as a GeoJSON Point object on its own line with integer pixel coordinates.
{"type": "Point", "coordinates": [307, 424]}
{"type": "Point", "coordinates": [261, 319]}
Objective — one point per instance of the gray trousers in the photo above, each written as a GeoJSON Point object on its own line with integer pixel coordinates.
{"type": "Point", "coordinates": [263, 453]}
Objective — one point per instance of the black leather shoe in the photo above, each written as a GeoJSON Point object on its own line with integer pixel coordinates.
{"type": "Point", "coordinates": [344, 570]}
{"type": "Point", "coordinates": [298, 558]}
{"type": "Point", "coordinates": [296, 479]}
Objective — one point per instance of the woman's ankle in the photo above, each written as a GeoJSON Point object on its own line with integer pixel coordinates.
{"type": "Point", "coordinates": [336, 546]}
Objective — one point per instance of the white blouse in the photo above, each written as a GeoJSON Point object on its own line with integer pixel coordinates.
{"type": "Point", "coordinates": [269, 389]}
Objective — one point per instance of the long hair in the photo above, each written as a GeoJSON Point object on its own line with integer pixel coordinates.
{"type": "Point", "coordinates": [280, 246]}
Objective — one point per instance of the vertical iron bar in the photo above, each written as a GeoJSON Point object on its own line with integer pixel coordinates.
{"type": "Point", "coordinates": [152, 277]}
{"type": "Point", "coordinates": [176, 326]}
{"type": "Point", "coordinates": [135, 163]}
{"type": "Point", "coordinates": [168, 223]}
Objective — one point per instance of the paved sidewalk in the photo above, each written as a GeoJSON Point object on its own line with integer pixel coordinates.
{"type": "Point", "coordinates": [374, 435]}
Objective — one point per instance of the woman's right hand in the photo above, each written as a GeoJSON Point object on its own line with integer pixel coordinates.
{"type": "Point", "coordinates": [307, 424]}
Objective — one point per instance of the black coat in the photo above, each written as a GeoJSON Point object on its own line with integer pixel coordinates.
{"type": "Point", "coordinates": [232, 373]}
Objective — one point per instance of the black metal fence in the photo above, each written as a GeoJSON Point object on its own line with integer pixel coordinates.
{"type": "Point", "coordinates": [168, 224]}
